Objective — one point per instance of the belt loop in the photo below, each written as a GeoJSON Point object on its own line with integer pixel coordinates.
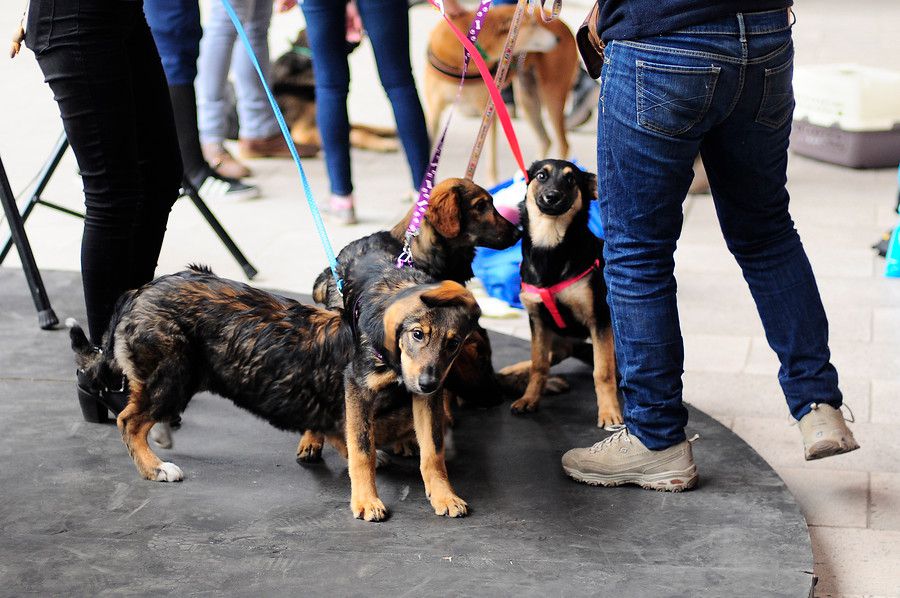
{"type": "Point", "coordinates": [743, 31]}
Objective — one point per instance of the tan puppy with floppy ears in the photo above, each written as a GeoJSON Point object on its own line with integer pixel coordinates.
{"type": "Point", "coordinates": [562, 284]}
{"type": "Point", "coordinates": [550, 65]}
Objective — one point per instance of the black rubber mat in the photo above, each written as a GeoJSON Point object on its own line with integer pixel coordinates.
{"type": "Point", "coordinates": [76, 518]}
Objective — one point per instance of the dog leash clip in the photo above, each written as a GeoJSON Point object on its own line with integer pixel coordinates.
{"type": "Point", "coordinates": [405, 258]}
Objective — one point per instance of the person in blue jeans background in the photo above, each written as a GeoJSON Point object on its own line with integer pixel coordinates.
{"type": "Point", "coordinates": [693, 77]}
{"type": "Point", "coordinates": [387, 25]}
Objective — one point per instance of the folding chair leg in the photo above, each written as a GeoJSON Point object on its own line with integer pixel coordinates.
{"type": "Point", "coordinates": [46, 317]}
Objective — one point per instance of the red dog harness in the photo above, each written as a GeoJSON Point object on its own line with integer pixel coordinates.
{"type": "Point", "coordinates": [547, 294]}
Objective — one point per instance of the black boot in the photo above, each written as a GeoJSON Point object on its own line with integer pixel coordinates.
{"type": "Point", "coordinates": [196, 170]}
{"type": "Point", "coordinates": [97, 400]}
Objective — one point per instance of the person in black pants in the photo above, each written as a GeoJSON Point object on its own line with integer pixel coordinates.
{"type": "Point", "coordinates": [103, 68]}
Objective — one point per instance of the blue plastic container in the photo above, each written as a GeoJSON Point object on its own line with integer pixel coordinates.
{"type": "Point", "coordinates": [498, 271]}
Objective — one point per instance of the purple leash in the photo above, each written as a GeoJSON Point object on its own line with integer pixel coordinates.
{"type": "Point", "coordinates": [415, 222]}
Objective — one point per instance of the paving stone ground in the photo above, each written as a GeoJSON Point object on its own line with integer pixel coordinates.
{"type": "Point", "coordinates": [851, 502]}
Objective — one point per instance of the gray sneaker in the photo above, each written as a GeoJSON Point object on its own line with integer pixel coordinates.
{"type": "Point", "coordinates": [623, 459]}
{"type": "Point", "coordinates": [825, 433]}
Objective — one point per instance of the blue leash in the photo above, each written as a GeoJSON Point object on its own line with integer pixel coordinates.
{"type": "Point", "coordinates": [313, 208]}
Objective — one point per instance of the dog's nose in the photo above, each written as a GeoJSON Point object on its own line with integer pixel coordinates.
{"type": "Point", "coordinates": [552, 197]}
{"type": "Point", "coordinates": [428, 383]}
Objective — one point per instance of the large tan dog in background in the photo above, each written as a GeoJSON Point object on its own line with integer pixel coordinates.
{"type": "Point", "coordinates": [545, 79]}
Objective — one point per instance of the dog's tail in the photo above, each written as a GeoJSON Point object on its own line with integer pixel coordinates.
{"type": "Point", "coordinates": [88, 357]}
{"type": "Point", "coordinates": [80, 343]}
{"type": "Point", "coordinates": [200, 269]}
{"type": "Point", "coordinates": [99, 362]}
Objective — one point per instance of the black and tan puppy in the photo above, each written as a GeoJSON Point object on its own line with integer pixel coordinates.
{"type": "Point", "coordinates": [289, 364]}
{"type": "Point", "coordinates": [394, 338]}
{"type": "Point", "coordinates": [563, 287]}
{"type": "Point", "coordinates": [460, 217]}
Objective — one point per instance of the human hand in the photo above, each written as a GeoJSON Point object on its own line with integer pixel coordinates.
{"type": "Point", "coordinates": [353, 23]}
{"type": "Point", "coordinates": [285, 5]}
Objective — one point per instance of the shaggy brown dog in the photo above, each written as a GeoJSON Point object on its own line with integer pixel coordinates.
{"type": "Point", "coordinates": [350, 376]}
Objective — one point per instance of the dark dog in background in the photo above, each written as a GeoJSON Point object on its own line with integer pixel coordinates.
{"type": "Point", "coordinates": [285, 362]}
{"type": "Point", "coordinates": [294, 87]}
{"type": "Point", "coordinates": [563, 287]}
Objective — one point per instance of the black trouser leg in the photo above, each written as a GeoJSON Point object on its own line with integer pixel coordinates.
{"type": "Point", "coordinates": [102, 66]}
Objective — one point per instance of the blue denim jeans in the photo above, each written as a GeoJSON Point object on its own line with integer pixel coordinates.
{"type": "Point", "coordinates": [218, 56]}
{"type": "Point", "coordinates": [723, 90]}
{"type": "Point", "coordinates": [387, 24]}
{"type": "Point", "coordinates": [175, 25]}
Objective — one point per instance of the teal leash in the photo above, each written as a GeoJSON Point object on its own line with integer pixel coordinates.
{"type": "Point", "coordinates": [313, 208]}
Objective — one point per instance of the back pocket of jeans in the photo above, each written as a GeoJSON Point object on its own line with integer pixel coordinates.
{"type": "Point", "coordinates": [777, 103]}
{"type": "Point", "coordinates": [672, 99]}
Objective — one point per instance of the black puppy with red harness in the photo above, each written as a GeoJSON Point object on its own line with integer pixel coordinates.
{"type": "Point", "coordinates": [562, 283]}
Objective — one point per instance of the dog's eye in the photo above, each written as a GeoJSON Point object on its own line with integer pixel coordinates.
{"type": "Point", "coordinates": [418, 335]}
{"type": "Point", "coordinates": [541, 176]}
{"type": "Point", "coordinates": [453, 345]}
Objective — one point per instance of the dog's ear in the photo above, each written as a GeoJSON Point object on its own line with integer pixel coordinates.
{"type": "Point", "coordinates": [587, 182]}
{"type": "Point", "coordinates": [449, 293]}
{"type": "Point", "coordinates": [444, 210]}
{"type": "Point", "coordinates": [393, 318]}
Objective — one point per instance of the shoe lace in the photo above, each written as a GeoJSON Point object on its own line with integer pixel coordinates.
{"type": "Point", "coordinates": [815, 406]}
{"type": "Point", "coordinates": [621, 435]}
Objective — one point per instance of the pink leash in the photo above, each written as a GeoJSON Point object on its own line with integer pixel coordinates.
{"type": "Point", "coordinates": [415, 221]}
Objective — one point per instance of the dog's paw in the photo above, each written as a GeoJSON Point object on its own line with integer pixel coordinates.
{"type": "Point", "coordinates": [610, 420]}
{"type": "Point", "coordinates": [370, 509]}
{"type": "Point", "coordinates": [523, 405]}
{"type": "Point", "coordinates": [168, 472]}
{"type": "Point", "coordinates": [556, 385]}
{"type": "Point", "coordinates": [406, 448]}
{"type": "Point", "coordinates": [382, 459]}
{"type": "Point", "coordinates": [161, 434]}
{"type": "Point", "coordinates": [450, 505]}
{"type": "Point", "coordinates": [309, 453]}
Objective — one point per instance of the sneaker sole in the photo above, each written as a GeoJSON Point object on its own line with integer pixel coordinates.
{"type": "Point", "coordinates": [670, 481]}
{"type": "Point", "coordinates": [828, 448]}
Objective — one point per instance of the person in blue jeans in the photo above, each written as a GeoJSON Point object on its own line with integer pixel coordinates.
{"type": "Point", "coordinates": [681, 78]}
{"type": "Point", "coordinates": [387, 25]}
